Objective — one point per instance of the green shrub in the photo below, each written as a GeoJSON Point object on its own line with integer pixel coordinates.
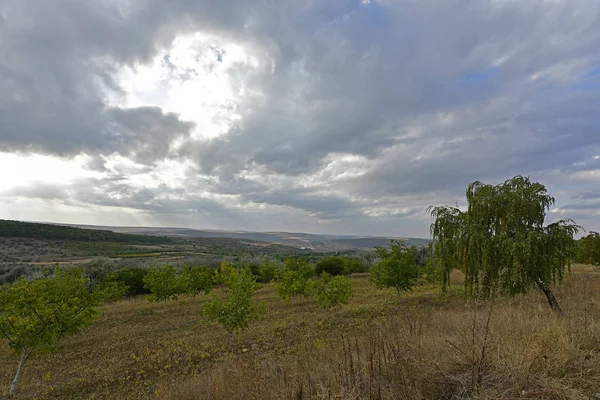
{"type": "Point", "coordinates": [132, 278]}
{"type": "Point", "coordinates": [332, 292]}
{"type": "Point", "coordinates": [296, 279]}
{"type": "Point", "coordinates": [588, 249]}
{"type": "Point", "coordinates": [397, 267]}
{"type": "Point", "coordinates": [111, 291]}
{"type": "Point", "coordinates": [196, 279]}
{"type": "Point", "coordinates": [226, 273]}
{"type": "Point", "coordinates": [333, 265]}
{"type": "Point", "coordinates": [236, 312]}
{"type": "Point", "coordinates": [269, 271]}
{"type": "Point", "coordinates": [163, 284]}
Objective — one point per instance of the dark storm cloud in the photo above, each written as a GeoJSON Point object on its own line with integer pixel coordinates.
{"type": "Point", "coordinates": [58, 60]}
{"type": "Point", "coordinates": [145, 133]}
{"type": "Point", "coordinates": [322, 206]}
{"type": "Point", "coordinates": [429, 95]}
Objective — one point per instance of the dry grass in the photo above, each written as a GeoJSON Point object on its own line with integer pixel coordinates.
{"type": "Point", "coordinates": [420, 346]}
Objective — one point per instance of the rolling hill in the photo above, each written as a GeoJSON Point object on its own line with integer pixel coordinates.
{"type": "Point", "coordinates": [300, 240]}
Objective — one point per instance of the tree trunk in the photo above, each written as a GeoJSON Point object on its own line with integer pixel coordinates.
{"type": "Point", "coordinates": [13, 386]}
{"type": "Point", "coordinates": [549, 295]}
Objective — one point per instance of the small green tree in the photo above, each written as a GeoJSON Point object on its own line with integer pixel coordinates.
{"type": "Point", "coordinates": [296, 279]}
{"type": "Point", "coordinates": [226, 273]}
{"type": "Point", "coordinates": [236, 312]}
{"type": "Point", "coordinates": [353, 264]}
{"type": "Point", "coordinates": [96, 270]}
{"type": "Point", "coordinates": [332, 292]}
{"type": "Point", "coordinates": [397, 267]}
{"type": "Point", "coordinates": [132, 278]}
{"type": "Point", "coordinates": [269, 270]}
{"type": "Point", "coordinates": [333, 265]}
{"type": "Point", "coordinates": [35, 314]}
{"type": "Point", "coordinates": [112, 292]}
{"type": "Point", "coordinates": [163, 284]}
{"type": "Point", "coordinates": [588, 249]}
{"type": "Point", "coordinates": [500, 241]}
{"type": "Point", "coordinates": [197, 279]}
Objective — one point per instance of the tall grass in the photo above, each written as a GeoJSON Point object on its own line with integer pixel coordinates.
{"type": "Point", "coordinates": [508, 349]}
{"type": "Point", "coordinates": [421, 346]}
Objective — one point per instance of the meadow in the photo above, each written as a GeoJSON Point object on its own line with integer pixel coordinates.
{"type": "Point", "coordinates": [420, 345]}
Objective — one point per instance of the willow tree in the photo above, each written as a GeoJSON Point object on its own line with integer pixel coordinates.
{"type": "Point", "coordinates": [500, 241]}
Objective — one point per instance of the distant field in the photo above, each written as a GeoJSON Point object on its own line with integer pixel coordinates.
{"type": "Point", "coordinates": [317, 242]}
{"type": "Point", "coordinates": [423, 345]}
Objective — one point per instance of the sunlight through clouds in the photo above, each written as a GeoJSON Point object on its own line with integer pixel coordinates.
{"type": "Point", "coordinates": [200, 77]}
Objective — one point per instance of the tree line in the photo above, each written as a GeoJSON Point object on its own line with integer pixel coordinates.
{"type": "Point", "coordinates": [10, 228]}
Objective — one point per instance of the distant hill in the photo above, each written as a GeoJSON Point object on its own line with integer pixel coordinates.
{"type": "Point", "coordinates": [315, 242]}
{"type": "Point", "coordinates": [34, 230]}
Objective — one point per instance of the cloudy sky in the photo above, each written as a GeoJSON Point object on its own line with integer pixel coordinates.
{"type": "Point", "coordinates": [326, 116]}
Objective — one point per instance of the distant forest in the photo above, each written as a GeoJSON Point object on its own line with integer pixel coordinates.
{"type": "Point", "coordinates": [57, 232]}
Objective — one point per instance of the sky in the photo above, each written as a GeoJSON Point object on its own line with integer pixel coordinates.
{"type": "Point", "coordinates": [337, 116]}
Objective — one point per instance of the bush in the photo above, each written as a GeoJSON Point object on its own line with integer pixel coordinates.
{"type": "Point", "coordinates": [236, 312]}
{"type": "Point", "coordinates": [333, 265]}
{"type": "Point", "coordinates": [397, 267]}
{"type": "Point", "coordinates": [269, 271]}
{"type": "Point", "coordinates": [132, 278]}
{"type": "Point", "coordinates": [354, 264]}
{"type": "Point", "coordinates": [13, 274]}
{"type": "Point", "coordinates": [197, 279]}
{"type": "Point", "coordinates": [163, 284]}
{"type": "Point", "coordinates": [96, 271]}
{"type": "Point", "coordinates": [226, 273]}
{"type": "Point", "coordinates": [332, 292]}
{"type": "Point", "coordinates": [111, 291]}
{"type": "Point", "coordinates": [296, 279]}
{"type": "Point", "coordinates": [588, 249]}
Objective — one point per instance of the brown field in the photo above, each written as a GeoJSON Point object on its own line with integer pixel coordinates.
{"type": "Point", "coordinates": [422, 345]}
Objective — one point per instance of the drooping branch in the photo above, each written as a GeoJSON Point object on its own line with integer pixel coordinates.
{"type": "Point", "coordinates": [500, 242]}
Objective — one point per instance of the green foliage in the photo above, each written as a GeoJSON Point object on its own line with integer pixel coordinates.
{"type": "Point", "coordinates": [132, 278]}
{"type": "Point", "coordinates": [332, 292]}
{"type": "Point", "coordinates": [333, 265]}
{"type": "Point", "coordinates": [226, 273]}
{"type": "Point", "coordinates": [269, 271]}
{"type": "Point", "coordinates": [354, 264]}
{"type": "Point", "coordinates": [238, 310]}
{"type": "Point", "coordinates": [296, 279]}
{"type": "Point", "coordinates": [397, 267]}
{"type": "Point", "coordinates": [163, 283]}
{"type": "Point", "coordinates": [422, 254]}
{"type": "Point", "coordinates": [97, 270]}
{"type": "Point", "coordinates": [196, 279]}
{"type": "Point", "coordinates": [111, 291]}
{"type": "Point", "coordinates": [588, 249]}
{"type": "Point", "coordinates": [500, 241]}
{"type": "Point", "coordinates": [34, 314]}
{"type": "Point", "coordinates": [9, 273]}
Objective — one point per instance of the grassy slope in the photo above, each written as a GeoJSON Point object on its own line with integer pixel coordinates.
{"type": "Point", "coordinates": [422, 345]}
